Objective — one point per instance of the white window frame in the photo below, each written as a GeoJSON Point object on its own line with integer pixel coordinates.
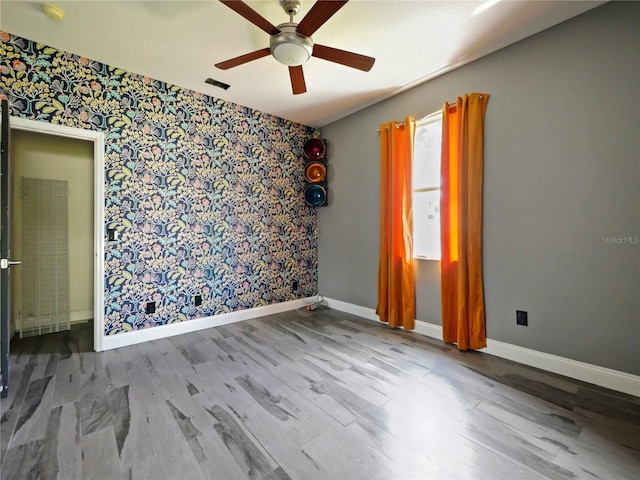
{"type": "Point", "coordinates": [421, 253]}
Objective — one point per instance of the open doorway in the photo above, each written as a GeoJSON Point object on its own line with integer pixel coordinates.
{"type": "Point", "coordinates": [45, 145]}
{"type": "Point", "coordinates": [52, 232]}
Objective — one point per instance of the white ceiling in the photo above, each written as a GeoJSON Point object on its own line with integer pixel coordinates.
{"type": "Point", "coordinates": [180, 41]}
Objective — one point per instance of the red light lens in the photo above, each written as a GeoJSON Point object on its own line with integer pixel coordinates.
{"type": "Point", "coordinates": [314, 149]}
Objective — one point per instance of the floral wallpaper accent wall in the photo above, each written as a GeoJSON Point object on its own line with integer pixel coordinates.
{"type": "Point", "coordinates": [207, 196]}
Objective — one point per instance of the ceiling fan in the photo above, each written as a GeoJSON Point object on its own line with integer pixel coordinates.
{"type": "Point", "coordinates": [291, 43]}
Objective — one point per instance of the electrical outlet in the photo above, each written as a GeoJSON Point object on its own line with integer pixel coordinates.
{"type": "Point", "coordinates": [150, 307]}
{"type": "Point", "coordinates": [197, 300]}
{"type": "Point", "coordinates": [294, 286]}
{"type": "Point", "coordinates": [522, 318]}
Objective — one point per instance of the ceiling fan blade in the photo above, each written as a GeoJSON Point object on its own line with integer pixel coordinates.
{"type": "Point", "coordinates": [247, 57]}
{"type": "Point", "coordinates": [350, 59]}
{"type": "Point", "coordinates": [250, 14]}
{"type": "Point", "coordinates": [297, 80]}
{"type": "Point", "coordinates": [321, 11]}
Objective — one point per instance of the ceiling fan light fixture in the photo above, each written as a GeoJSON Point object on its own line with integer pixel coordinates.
{"type": "Point", "coordinates": [289, 47]}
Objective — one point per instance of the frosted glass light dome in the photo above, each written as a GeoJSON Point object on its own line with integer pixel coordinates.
{"type": "Point", "coordinates": [291, 54]}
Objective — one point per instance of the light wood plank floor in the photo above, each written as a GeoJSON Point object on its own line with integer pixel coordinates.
{"type": "Point", "coordinates": [304, 395]}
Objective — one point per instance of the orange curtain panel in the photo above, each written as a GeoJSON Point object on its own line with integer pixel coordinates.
{"type": "Point", "coordinates": [396, 281]}
{"type": "Point", "coordinates": [463, 318]}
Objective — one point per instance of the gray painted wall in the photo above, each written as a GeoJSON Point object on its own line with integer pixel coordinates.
{"type": "Point", "coordinates": [562, 171]}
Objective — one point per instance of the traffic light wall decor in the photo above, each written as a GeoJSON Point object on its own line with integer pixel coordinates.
{"type": "Point", "coordinates": [315, 172]}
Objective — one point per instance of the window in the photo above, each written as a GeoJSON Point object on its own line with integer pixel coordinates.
{"type": "Point", "coordinates": [426, 187]}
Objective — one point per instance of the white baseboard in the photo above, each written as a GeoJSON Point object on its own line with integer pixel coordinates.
{"type": "Point", "coordinates": [423, 328]}
{"type": "Point", "coordinates": [604, 377]}
{"type": "Point", "coordinates": [80, 316]}
{"type": "Point", "coordinates": [139, 336]}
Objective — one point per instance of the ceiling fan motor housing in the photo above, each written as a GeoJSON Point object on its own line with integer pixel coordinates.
{"type": "Point", "coordinates": [289, 47]}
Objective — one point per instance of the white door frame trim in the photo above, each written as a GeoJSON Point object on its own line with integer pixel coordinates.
{"type": "Point", "coordinates": [97, 138]}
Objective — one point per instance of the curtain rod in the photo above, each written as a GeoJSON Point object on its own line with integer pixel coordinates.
{"type": "Point", "coordinates": [398, 125]}
{"type": "Point", "coordinates": [452, 105]}
{"type": "Point", "coordinates": [401, 124]}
